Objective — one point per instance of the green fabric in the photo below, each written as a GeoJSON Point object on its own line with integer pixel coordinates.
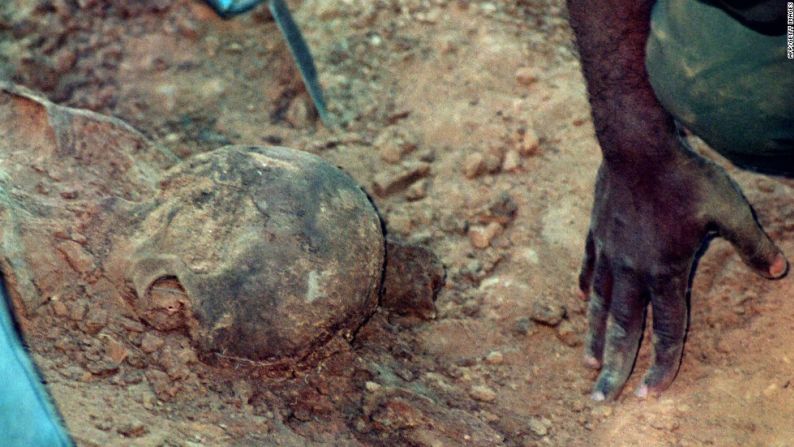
{"type": "Point", "coordinates": [730, 85]}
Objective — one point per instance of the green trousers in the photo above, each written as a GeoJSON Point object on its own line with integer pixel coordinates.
{"type": "Point", "coordinates": [730, 85]}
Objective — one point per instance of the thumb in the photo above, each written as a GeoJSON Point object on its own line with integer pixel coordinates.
{"type": "Point", "coordinates": [742, 229]}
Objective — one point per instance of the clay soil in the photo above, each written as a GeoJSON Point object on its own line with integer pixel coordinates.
{"type": "Point", "coordinates": [468, 123]}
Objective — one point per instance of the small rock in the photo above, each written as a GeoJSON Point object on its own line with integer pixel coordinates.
{"type": "Point", "coordinates": [400, 223]}
{"type": "Point", "coordinates": [489, 417]}
{"type": "Point", "coordinates": [417, 191]}
{"type": "Point", "coordinates": [59, 308]}
{"type": "Point", "coordinates": [94, 322]}
{"type": "Point", "coordinates": [601, 411]}
{"type": "Point", "coordinates": [115, 351]}
{"type": "Point", "coordinates": [488, 8]}
{"type": "Point", "coordinates": [526, 75]}
{"type": "Point", "coordinates": [299, 113]}
{"type": "Point", "coordinates": [134, 429]}
{"type": "Point", "coordinates": [132, 325]}
{"type": "Point", "coordinates": [539, 426]}
{"type": "Point", "coordinates": [527, 142]}
{"type": "Point", "coordinates": [494, 358]}
{"type": "Point", "coordinates": [234, 47]}
{"type": "Point", "coordinates": [481, 237]}
{"type": "Point", "coordinates": [473, 165]}
{"type": "Point", "coordinates": [413, 278]}
{"type": "Point", "coordinates": [161, 384]}
{"type": "Point", "coordinates": [78, 310]}
{"type": "Point", "coordinates": [501, 208]}
{"type": "Point", "coordinates": [151, 343]}
{"type": "Point", "coordinates": [523, 326]}
{"type": "Point", "coordinates": [148, 400]}
{"type": "Point", "coordinates": [492, 161]}
{"type": "Point", "coordinates": [372, 386]}
{"type": "Point", "coordinates": [390, 182]}
{"type": "Point", "coordinates": [391, 153]}
{"type": "Point", "coordinates": [512, 162]}
{"type": "Point", "coordinates": [547, 312]}
{"type": "Point", "coordinates": [102, 368]}
{"type": "Point", "coordinates": [568, 334]}
{"type": "Point", "coordinates": [482, 393]}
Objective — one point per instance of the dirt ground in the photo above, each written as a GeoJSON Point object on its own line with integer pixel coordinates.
{"type": "Point", "coordinates": [467, 121]}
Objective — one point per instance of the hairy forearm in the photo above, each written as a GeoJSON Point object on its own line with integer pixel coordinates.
{"type": "Point", "coordinates": [631, 125]}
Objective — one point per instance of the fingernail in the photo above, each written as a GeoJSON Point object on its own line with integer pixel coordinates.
{"type": "Point", "coordinates": [778, 267]}
{"type": "Point", "coordinates": [598, 396]}
{"type": "Point", "coordinates": [642, 391]}
{"type": "Point", "coordinates": [591, 362]}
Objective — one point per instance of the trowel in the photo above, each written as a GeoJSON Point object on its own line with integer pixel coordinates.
{"type": "Point", "coordinates": [292, 34]}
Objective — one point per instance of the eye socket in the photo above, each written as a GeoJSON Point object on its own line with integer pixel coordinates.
{"type": "Point", "coordinates": [165, 303]}
{"type": "Point", "coordinates": [166, 286]}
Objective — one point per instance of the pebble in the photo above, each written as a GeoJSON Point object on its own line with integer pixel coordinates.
{"type": "Point", "coordinates": [523, 326]}
{"type": "Point", "coordinates": [512, 161]}
{"type": "Point", "coordinates": [59, 308]}
{"type": "Point", "coordinates": [299, 113]}
{"type": "Point", "coordinates": [134, 429]}
{"type": "Point", "coordinates": [394, 145]}
{"type": "Point", "coordinates": [391, 153]}
{"type": "Point", "coordinates": [547, 312]}
{"type": "Point", "coordinates": [148, 400]}
{"type": "Point", "coordinates": [473, 165]}
{"type": "Point", "coordinates": [151, 343]}
{"type": "Point", "coordinates": [417, 191]}
{"type": "Point", "coordinates": [601, 411]}
{"type": "Point", "coordinates": [95, 320]}
{"type": "Point", "coordinates": [540, 426]}
{"type": "Point", "coordinates": [482, 393]}
{"type": "Point", "coordinates": [568, 334]}
{"type": "Point", "coordinates": [390, 182]}
{"type": "Point", "coordinates": [526, 75]}
{"type": "Point", "coordinates": [372, 386]}
{"type": "Point", "coordinates": [481, 237]}
{"type": "Point", "coordinates": [78, 310]}
{"type": "Point", "coordinates": [489, 417]}
{"type": "Point", "coordinates": [115, 351]}
{"type": "Point", "coordinates": [494, 358]}
{"type": "Point", "coordinates": [400, 223]}
{"type": "Point", "coordinates": [492, 160]}
{"type": "Point", "coordinates": [527, 141]}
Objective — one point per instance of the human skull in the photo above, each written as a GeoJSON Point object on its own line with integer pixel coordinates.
{"type": "Point", "coordinates": [258, 252]}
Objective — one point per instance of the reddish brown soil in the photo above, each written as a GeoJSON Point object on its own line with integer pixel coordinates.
{"type": "Point", "coordinates": [451, 92]}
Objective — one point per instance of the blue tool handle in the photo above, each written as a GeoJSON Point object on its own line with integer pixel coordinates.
{"type": "Point", "coordinates": [27, 416]}
{"type": "Point", "coordinates": [229, 8]}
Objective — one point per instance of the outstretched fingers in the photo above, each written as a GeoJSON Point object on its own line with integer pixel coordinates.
{"type": "Point", "coordinates": [624, 331]}
{"type": "Point", "coordinates": [597, 312]}
{"type": "Point", "coordinates": [670, 317]}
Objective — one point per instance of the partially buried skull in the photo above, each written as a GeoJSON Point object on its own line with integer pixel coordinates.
{"type": "Point", "coordinates": [263, 253]}
{"type": "Point", "coordinates": [260, 252]}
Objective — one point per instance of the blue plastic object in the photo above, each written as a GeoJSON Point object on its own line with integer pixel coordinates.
{"type": "Point", "coordinates": [27, 416]}
{"type": "Point", "coordinates": [228, 8]}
